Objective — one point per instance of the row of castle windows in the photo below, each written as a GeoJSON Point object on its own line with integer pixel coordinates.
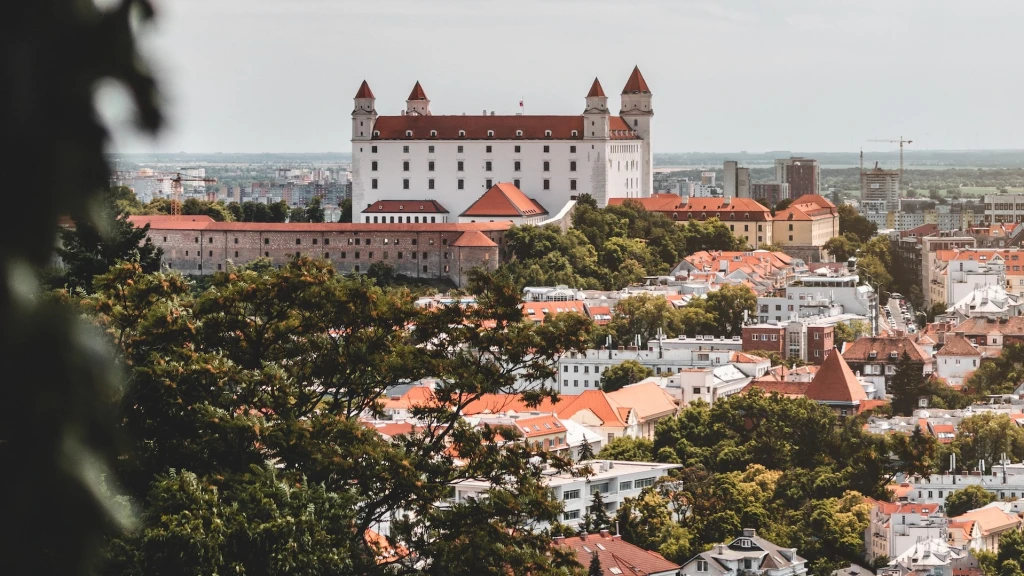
{"type": "Point", "coordinates": [462, 133]}
{"type": "Point", "coordinates": [488, 148]}
{"type": "Point", "coordinates": [461, 185]}
{"type": "Point", "coordinates": [327, 241]}
{"type": "Point", "coordinates": [327, 256]}
{"type": "Point", "coordinates": [488, 165]}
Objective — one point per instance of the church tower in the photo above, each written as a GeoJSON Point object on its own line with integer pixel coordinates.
{"type": "Point", "coordinates": [417, 104]}
{"type": "Point", "coordinates": [364, 115]}
{"type": "Point", "coordinates": [636, 109]}
{"type": "Point", "coordinates": [595, 116]}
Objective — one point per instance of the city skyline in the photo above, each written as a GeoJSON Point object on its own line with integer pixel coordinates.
{"type": "Point", "coordinates": [267, 77]}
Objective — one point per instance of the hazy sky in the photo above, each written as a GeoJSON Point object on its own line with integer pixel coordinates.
{"type": "Point", "coordinates": [754, 75]}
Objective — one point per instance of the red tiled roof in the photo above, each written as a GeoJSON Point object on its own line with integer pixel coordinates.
{"type": "Point", "coordinates": [535, 311]}
{"type": "Point", "coordinates": [410, 206]}
{"type": "Point", "coordinates": [656, 203]}
{"type": "Point", "coordinates": [539, 426]}
{"type": "Point", "coordinates": [415, 396]}
{"type": "Point", "coordinates": [957, 345]}
{"type": "Point", "coordinates": [187, 223]}
{"type": "Point", "coordinates": [792, 213]}
{"type": "Point", "coordinates": [981, 325]}
{"type": "Point", "coordinates": [636, 83]}
{"type": "Point", "coordinates": [617, 557]}
{"type": "Point", "coordinates": [618, 129]}
{"type": "Point", "coordinates": [835, 382]}
{"type": "Point", "coordinates": [417, 92]}
{"type": "Point", "coordinates": [473, 239]}
{"type": "Point", "coordinates": [917, 508]}
{"type": "Point", "coordinates": [504, 199]}
{"type": "Point", "coordinates": [364, 91]}
{"type": "Point", "coordinates": [597, 402]}
{"type": "Point", "coordinates": [860, 350]}
{"type": "Point", "coordinates": [815, 199]}
{"type": "Point", "coordinates": [504, 127]}
{"type": "Point", "coordinates": [595, 89]}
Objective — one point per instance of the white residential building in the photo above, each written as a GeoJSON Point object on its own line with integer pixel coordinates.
{"type": "Point", "coordinates": [616, 480]}
{"type": "Point", "coordinates": [454, 159]}
{"type": "Point", "coordinates": [748, 555]}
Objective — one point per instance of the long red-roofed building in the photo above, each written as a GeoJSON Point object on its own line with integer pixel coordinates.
{"type": "Point", "coordinates": [453, 158]}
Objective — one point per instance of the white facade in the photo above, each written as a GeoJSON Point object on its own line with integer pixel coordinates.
{"type": "Point", "coordinates": [938, 487]}
{"type": "Point", "coordinates": [615, 480]}
{"type": "Point", "coordinates": [455, 159]}
{"type": "Point", "coordinates": [954, 369]}
{"type": "Point", "coordinates": [1002, 208]}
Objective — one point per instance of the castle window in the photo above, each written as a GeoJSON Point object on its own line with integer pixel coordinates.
{"type": "Point", "coordinates": [572, 166]}
{"type": "Point", "coordinates": [574, 133]}
{"type": "Point", "coordinates": [343, 255]}
{"type": "Point", "coordinates": [405, 184]}
{"type": "Point", "coordinates": [430, 184]}
{"type": "Point", "coordinates": [489, 183]}
{"type": "Point", "coordinates": [518, 133]}
{"type": "Point", "coordinates": [462, 133]}
{"type": "Point", "coordinates": [236, 240]}
{"type": "Point", "coordinates": [547, 166]}
{"type": "Point", "coordinates": [572, 149]}
{"type": "Point", "coordinates": [516, 183]}
{"type": "Point", "coordinates": [547, 148]}
{"type": "Point", "coordinates": [488, 148]}
{"type": "Point", "coordinates": [461, 166]}
{"type": "Point", "coordinates": [408, 133]}
{"type": "Point", "coordinates": [547, 184]}
{"type": "Point", "coordinates": [433, 133]}
{"type": "Point", "coordinates": [373, 183]}
{"type": "Point", "coordinates": [373, 165]}
{"type": "Point", "coordinates": [405, 149]}
{"type": "Point", "coordinates": [517, 149]}
{"type": "Point", "coordinates": [572, 184]}
{"type": "Point", "coordinates": [461, 184]}
{"type": "Point", "coordinates": [430, 165]}
{"type": "Point", "coordinates": [547, 133]}
{"type": "Point", "coordinates": [374, 148]}
{"type": "Point", "coordinates": [298, 241]}
{"type": "Point", "coordinates": [424, 269]}
{"type": "Point", "coordinates": [405, 166]}
{"type": "Point", "coordinates": [517, 166]}
{"type": "Point", "coordinates": [490, 133]}
{"type": "Point", "coordinates": [487, 165]}
{"type": "Point", "coordinates": [327, 255]}
{"type": "Point", "coordinates": [327, 241]}
{"type": "Point", "coordinates": [266, 240]}
{"type": "Point", "coordinates": [314, 241]}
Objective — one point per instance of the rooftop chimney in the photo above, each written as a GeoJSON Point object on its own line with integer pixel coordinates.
{"type": "Point", "coordinates": [605, 534]}
{"type": "Point", "coordinates": [749, 532]}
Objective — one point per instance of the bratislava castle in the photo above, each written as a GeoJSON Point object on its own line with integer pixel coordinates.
{"type": "Point", "coordinates": [453, 160]}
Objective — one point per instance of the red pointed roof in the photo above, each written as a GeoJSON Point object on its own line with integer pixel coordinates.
{"type": "Point", "coordinates": [595, 89]}
{"type": "Point", "coordinates": [636, 83]}
{"type": "Point", "coordinates": [504, 199]}
{"type": "Point", "coordinates": [417, 92]}
{"type": "Point", "coordinates": [835, 382]}
{"type": "Point", "coordinates": [364, 91]}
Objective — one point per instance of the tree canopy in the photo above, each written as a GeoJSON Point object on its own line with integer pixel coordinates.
{"type": "Point", "coordinates": [966, 499]}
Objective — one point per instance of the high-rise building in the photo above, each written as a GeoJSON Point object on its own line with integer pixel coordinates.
{"type": "Point", "coordinates": [770, 193]}
{"type": "Point", "coordinates": [879, 185]}
{"type": "Point", "coordinates": [802, 174]}
{"type": "Point", "coordinates": [737, 180]}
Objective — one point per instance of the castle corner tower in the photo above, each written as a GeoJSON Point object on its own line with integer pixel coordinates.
{"type": "Point", "coordinates": [637, 110]}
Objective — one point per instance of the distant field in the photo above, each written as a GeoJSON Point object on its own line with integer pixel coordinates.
{"type": "Point", "coordinates": [978, 191]}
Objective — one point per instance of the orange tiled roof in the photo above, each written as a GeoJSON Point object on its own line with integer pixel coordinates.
{"type": "Point", "coordinates": [473, 239]}
{"type": "Point", "coordinates": [535, 311]}
{"type": "Point", "coordinates": [646, 398]}
{"type": "Point", "coordinates": [617, 557]}
{"type": "Point", "coordinates": [504, 199]}
{"type": "Point", "coordinates": [787, 389]}
{"type": "Point", "coordinates": [883, 346]}
{"type": "Point", "coordinates": [957, 345]}
{"type": "Point", "coordinates": [415, 396]}
{"type": "Point", "coordinates": [991, 520]}
{"type": "Point", "coordinates": [636, 83]}
{"type": "Point", "coordinates": [656, 203]}
{"type": "Point", "coordinates": [595, 89]}
{"type": "Point", "coordinates": [835, 382]}
{"type": "Point", "coordinates": [410, 206]}
{"type": "Point", "coordinates": [539, 426]}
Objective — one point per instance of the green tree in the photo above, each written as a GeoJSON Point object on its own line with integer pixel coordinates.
{"type": "Point", "coordinates": [629, 449]}
{"type": "Point", "coordinates": [988, 436]}
{"type": "Point", "coordinates": [852, 222]}
{"type": "Point", "coordinates": [906, 385]}
{"type": "Point", "coordinates": [840, 248]}
{"type": "Point", "coordinates": [644, 315]}
{"type": "Point", "coordinates": [595, 568]}
{"type": "Point", "coordinates": [95, 243]}
{"type": "Point", "coordinates": [278, 366]}
{"type": "Point", "coordinates": [731, 305]}
{"type": "Point", "coordinates": [346, 210]}
{"type": "Point", "coordinates": [314, 211]}
{"type": "Point", "coordinates": [297, 214]}
{"type": "Point", "coordinates": [967, 499]}
{"type": "Point", "coordinates": [276, 212]}
{"type": "Point", "coordinates": [624, 374]}
{"type": "Point", "coordinates": [599, 519]}
{"type": "Point", "coordinates": [937, 309]}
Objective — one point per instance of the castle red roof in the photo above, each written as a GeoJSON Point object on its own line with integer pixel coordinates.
{"type": "Point", "coordinates": [636, 83]}
{"type": "Point", "coordinates": [364, 91]}
{"type": "Point", "coordinates": [595, 89]}
{"type": "Point", "coordinates": [835, 382]}
{"type": "Point", "coordinates": [504, 199]}
{"type": "Point", "coordinates": [417, 92]}
{"type": "Point", "coordinates": [503, 127]}
{"type": "Point", "coordinates": [410, 206]}
{"type": "Point", "coordinates": [473, 239]}
{"type": "Point", "coordinates": [188, 223]}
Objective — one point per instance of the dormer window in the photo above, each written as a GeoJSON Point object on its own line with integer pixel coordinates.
{"type": "Point", "coordinates": [376, 133]}
{"type": "Point", "coordinates": [893, 354]}
{"type": "Point", "coordinates": [421, 206]}
{"type": "Point", "coordinates": [401, 207]}
{"type": "Point", "coordinates": [408, 133]}
{"type": "Point", "coordinates": [490, 133]}
{"type": "Point", "coordinates": [872, 354]}
{"type": "Point", "coordinates": [575, 133]}
{"type": "Point", "coordinates": [547, 133]}
{"type": "Point", "coordinates": [519, 132]}
{"type": "Point", "coordinates": [462, 133]}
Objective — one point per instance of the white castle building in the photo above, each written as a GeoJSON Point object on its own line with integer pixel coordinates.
{"type": "Point", "coordinates": [452, 161]}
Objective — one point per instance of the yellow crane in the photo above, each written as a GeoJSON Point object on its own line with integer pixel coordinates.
{"type": "Point", "coordinates": [901, 142]}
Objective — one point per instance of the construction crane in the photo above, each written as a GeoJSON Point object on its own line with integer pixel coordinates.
{"type": "Point", "coordinates": [176, 179]}
{"type": "Point", "coordinates": [901, 142]}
